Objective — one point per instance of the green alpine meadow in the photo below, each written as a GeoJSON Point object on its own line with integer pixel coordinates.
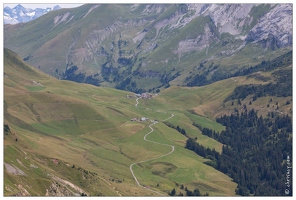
{"type": "Point", "coordinates": [149, 100]}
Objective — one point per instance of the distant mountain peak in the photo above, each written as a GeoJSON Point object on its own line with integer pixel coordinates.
{"type": "Point", "coordinates": [20, 14]}
{"type": "Point", "coordinates": [57, 7]}
{"type": "Point", "coordinates": [19, 6]}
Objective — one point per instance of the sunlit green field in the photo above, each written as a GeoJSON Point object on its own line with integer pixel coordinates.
{"type": "Point", "coordinates": [89, 129]}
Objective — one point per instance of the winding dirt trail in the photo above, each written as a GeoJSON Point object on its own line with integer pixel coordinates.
{"type": "Point", "coordinates": [137, 102]}
{"type": "Point", "coordinates": [173, 149]}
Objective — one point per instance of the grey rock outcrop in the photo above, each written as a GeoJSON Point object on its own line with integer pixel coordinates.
{"type": "Point", "coordinates": [274, 29]}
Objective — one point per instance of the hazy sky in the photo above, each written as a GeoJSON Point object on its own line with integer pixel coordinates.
{"type": "Point", "coordinates": [42, 5]}
{"type": "Point", "coordinates": [64, 4]}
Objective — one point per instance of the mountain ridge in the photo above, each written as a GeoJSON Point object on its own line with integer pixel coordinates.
{"type": "Point", "coordinates": [127, 46]}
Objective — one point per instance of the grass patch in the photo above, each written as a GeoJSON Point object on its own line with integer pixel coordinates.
{"type": "Point", "coordinates": [205, 122]}
{"type": "Point", "coordinates": [161, 168]}
{"type": "Point", "coordinates": [35, 88]}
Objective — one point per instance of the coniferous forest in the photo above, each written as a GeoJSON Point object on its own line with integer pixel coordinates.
{"type": "Point", "coordinates": [282, 87]}
{"type": "Point", "coordinates": [256, 152]}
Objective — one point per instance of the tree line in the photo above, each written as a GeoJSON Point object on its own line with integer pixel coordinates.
{"type": "Point", "coordinates": [186, 192]}
{"type": "Point", "coordinates": [70, 75]}
{"type": "Point", "coordinates": [254, 152]}
{"type": "Point", "coordinates": [178, 128]}
{"type": "Point", "coordinates": [218, 74]}
{"type": "Point", "coordinates": [282, 87]}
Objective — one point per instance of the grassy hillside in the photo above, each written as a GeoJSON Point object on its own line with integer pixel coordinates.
{"type": "Point", "coordinates": [64, 137]}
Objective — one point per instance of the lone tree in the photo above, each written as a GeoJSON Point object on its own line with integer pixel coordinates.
{"type": "Point", "coordinates": [6, 128]}
{"type": "Point", "coordinates": [173, 192]}
{"type": "Point", "coordinates": [196, 192]}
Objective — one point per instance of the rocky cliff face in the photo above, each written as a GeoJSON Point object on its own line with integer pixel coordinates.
{"type": "Point", "coordinates": [274, 29]}
{"type": "Point", "coordinates": [229, 18]}
{"type": "Point", "coordinates": [274, 24]}
{"type": "Point", "coordinates": [107, 43]}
